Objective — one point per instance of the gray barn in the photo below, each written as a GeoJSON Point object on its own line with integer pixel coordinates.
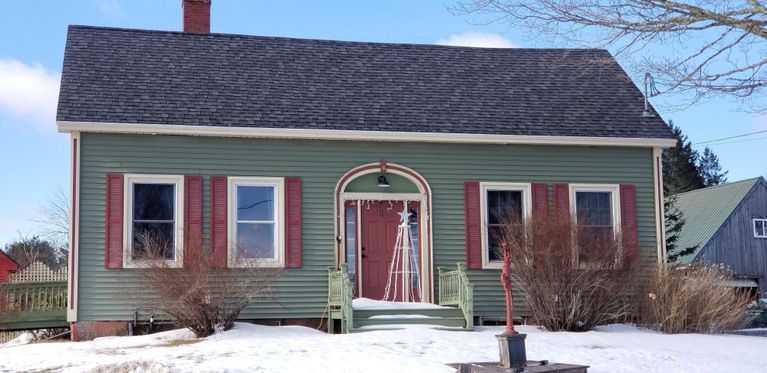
{"type": "Point", "coordinates": [728, 223]}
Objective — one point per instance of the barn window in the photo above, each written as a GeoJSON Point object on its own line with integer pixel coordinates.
{"type": "Point", "coordinates": [760, 228]}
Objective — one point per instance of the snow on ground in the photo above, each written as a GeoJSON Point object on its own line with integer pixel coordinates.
{"type": "Point", "coordinates": [370, 304]}
{"type": "Point", "coordinates": [619, 348]}
{"type": "Point", "coordinates": [22, 339]}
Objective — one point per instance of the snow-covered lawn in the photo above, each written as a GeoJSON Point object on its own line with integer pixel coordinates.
{"type": "Point", "coordinates": [619, 348]}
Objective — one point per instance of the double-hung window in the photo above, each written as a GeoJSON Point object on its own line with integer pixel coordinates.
{"type": "Point", "coordinates": [502, 204]}
{"type": "Point", "coordinates": [760, 228]}
{"type": "Point", "coordinates": [596, 209]}
{"type": "Point", "coordinates": [154, 216]}
{"type": "Point", "coordinates": [256, 226]}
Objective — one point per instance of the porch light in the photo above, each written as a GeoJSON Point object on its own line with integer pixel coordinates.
{"type": "Point", "coordinates": [382, 182]}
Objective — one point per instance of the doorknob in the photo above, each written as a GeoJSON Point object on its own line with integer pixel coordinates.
{"type": "Point", "coordinates": [363, 248]}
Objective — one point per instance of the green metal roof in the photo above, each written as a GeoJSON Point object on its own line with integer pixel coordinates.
{"type": "Point", "coordinates": [705, 210]}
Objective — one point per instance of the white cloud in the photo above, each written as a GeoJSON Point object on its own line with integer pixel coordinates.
{"type": "Point", "coordinates": [477, 39]}
{"type": "Point", "coordinates": [29, 93]}
{"type": "Point", "coordinates": [110, 9]}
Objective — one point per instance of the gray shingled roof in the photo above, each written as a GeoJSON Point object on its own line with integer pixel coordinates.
{"type": "Point", "coordinates": [160, 77]}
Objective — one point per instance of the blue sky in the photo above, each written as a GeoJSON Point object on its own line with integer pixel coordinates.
{"type": "Point", "coordinates": [34, 159]}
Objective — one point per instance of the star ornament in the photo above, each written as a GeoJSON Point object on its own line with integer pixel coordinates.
{"type": "Point", "coordinates": [405, 216]}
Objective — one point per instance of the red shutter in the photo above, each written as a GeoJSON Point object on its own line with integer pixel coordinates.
{"type": "Point", "coordinates": [113, 231]}
{"type": "Point", "coordinates": [473, 225]}
{"type": "Point", "coordinates": [562, 201]}
{"type": "Point", "coordinates": [218, 221]}
{"type": "Point", "coordinates": [293, 222]}
{"type": "Point", "coordinates": [629, 223]}
{"type": "Point", "coordinates": [192, 220]}
{"type": "Point", "coordinates": [540, 200]}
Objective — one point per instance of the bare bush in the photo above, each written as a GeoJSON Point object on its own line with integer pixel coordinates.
{"type": "Point", "coordinates": [201, 296]}
{"type": "Point", "coordinates": [692, 300]}
{"type": "Point", "coordinates": [572, 279]}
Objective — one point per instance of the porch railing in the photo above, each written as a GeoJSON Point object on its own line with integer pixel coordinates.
{"type": "Point", "coordinates": [456, 290]}
{"type": "Point", "coordinates": [340, 293]}
{"type": "Point", "coordinates": [34, 304]}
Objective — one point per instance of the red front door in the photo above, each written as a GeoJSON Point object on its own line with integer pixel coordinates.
{"type": "Point", "coordinates": [380, 220]}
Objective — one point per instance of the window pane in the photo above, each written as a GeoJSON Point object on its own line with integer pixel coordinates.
{"type": "Point", "coordinates": [153, 241]}
{"type": "Point", "coordinates": [255, 240]}
{"type": "Point", "coordinates": [594, 208]}
{"type": "Point", "coordinates": [503, 205]}
{"type": "Point", "coordinates": [494, 237]}
{"type": "Point", "coordinates": [153, 201]}
{"type": "Point", "coordinates": [351, 241]}
{"type": "Point", "coordinates": [414, 265]}
{"type": "Point", "coordinates": [759, 227]}
{"type": "Point", "coordinates": [255, 203]}
{"type": "Point", "coordinates": [599, 233]}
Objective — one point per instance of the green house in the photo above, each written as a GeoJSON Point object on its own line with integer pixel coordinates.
{"type": "Point", "coordinates": [303, 154]}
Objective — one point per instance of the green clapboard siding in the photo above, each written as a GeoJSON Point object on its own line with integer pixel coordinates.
{"type": "Point", "coordinates": [303, 293]}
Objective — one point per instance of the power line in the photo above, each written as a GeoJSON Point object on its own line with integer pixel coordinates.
{"type": "Point", "coordinates": [729, 138]}
{"type": "Point", "coordinates": [734, 142]}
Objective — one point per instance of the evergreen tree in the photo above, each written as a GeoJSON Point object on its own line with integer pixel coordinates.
{"type": "Point", "coordinates": [680, 165]}
{"type": "Point", "coordinates": [680, 174]}
{"type": "Point", "coordinates": [710, 170]}
{"type": "Point", "coordinates": [674, 224]}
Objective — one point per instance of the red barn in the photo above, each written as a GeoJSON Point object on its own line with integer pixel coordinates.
{"type": "Point", "coordinates": [7, 266]}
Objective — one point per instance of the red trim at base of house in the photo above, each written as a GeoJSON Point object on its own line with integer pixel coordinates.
{"type": "Point", "coordinates": [88, 330]}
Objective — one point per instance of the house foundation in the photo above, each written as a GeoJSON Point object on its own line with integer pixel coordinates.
{"type": "Point", "coordinates": [89, 330]}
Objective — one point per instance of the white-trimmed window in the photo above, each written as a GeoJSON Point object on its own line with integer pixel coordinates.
{"type": "Point", "coordinates": [256, 227]}
{"type": "Point", "coordinates": [760, 228]}
{"type": "Point", "coordinates": [596, 208]}
{"type": "Point", "coordinates": [502, 203]}
{"type": "Point", "coordinates": [154, 216]}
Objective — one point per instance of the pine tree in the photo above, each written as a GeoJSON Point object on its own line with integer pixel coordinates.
{"type": "Point", "coordinates": [680, 174]}
{"type": "Point", "coordinates": [710, 169]}
{"type": "Point", "coordinates": [674, 224]}
{"type": "Point", "coordinates": [680, 165]}
{"type": "Point", "coordinates": [685, 170]}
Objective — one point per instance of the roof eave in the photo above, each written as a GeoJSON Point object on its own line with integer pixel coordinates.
{"type": "Point", "coordinates": [352, 135]}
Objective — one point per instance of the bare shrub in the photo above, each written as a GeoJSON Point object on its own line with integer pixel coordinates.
{"type": "Point", "coordinates": [572, 279]}
{"type": "Point", "coordinates": [200, 296]}
{"type": "Point", "coordinates": [692, 300]}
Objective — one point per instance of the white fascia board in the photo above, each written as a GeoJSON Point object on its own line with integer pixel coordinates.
{"type": "Point", "coordinates": [289, 133]}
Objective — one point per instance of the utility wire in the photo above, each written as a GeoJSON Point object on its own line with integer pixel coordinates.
{"type": "Point", "coordinates": [729, 138]}
{"type": "Point", "coordinates": [733, 142]}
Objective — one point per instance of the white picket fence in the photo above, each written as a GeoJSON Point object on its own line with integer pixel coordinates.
{"type": "Point", "coordinates": [38, 272]}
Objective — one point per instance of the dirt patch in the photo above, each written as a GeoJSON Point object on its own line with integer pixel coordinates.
{"type": "Point", "coordinates": [179, 342]}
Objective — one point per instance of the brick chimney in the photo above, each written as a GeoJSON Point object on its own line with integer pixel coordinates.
{"type": "Point", "coordinates": [196, 15]}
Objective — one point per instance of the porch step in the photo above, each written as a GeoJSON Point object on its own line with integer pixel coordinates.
{"type": "Point", "coordinates": [454, 322]}
{"type": "Point", "coordinates": [448, 318]}
{"type": "Point", "coordinates": [431, 312]}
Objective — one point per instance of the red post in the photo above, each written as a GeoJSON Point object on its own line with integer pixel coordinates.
{"type": "Point", "coordinates": [506, 281]}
